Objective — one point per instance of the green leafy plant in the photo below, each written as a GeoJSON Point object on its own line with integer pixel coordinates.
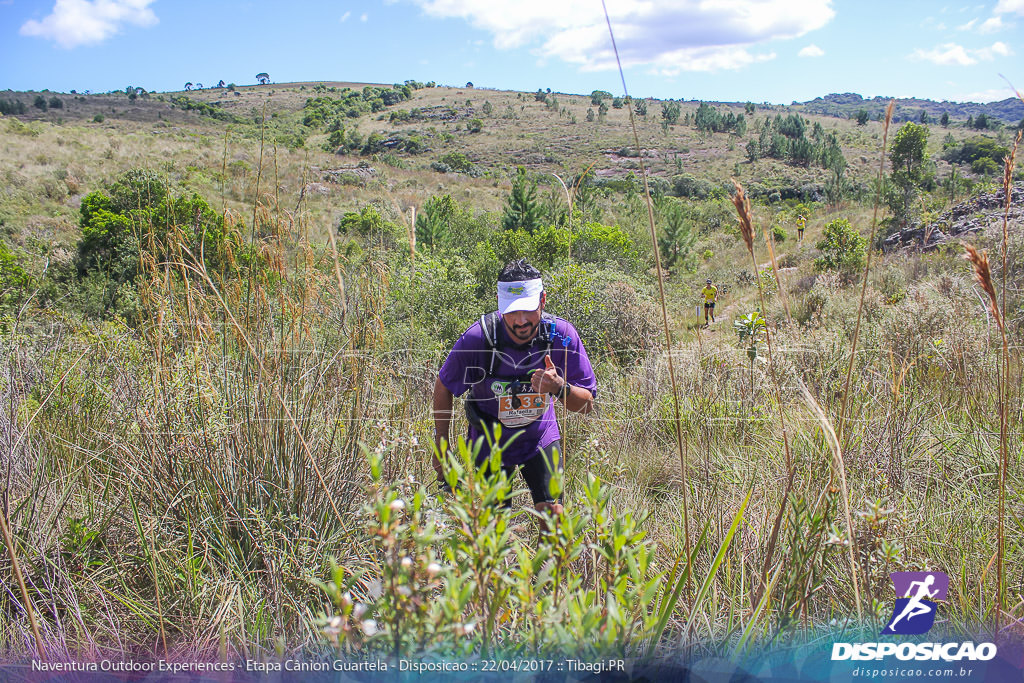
{"type": "Point", "coordinates": [752, 330]}
{"type": "Point", "coordinates": [842, 247]}
{"type": "Point", "coordinates": [522, 209]}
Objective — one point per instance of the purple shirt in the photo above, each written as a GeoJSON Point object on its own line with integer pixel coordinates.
{"type": "Point", "coordinates": [467, 366]}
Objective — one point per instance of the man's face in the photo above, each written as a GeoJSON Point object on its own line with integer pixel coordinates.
{"type": "Point", "coordinates": [522, 325]}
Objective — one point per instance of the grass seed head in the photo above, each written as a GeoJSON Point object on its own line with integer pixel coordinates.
{"type": "Point", "coordinates": [742, 203]}
{"type": "Point", "coordinates": [983, 274]}
{"type": "Point", "coordinates": [1008, 163]}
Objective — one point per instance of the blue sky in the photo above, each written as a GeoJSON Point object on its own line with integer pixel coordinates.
{"type": "Point", "coordinates": [760, 50]}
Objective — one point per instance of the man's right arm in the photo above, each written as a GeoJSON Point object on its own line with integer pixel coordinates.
{"type": "Point", "coordinates": [443, 402]}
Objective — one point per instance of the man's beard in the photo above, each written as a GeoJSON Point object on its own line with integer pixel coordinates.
{"type": "Point", "coordinates": [523, 333]}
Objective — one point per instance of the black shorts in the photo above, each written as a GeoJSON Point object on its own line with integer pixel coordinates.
{"type": "Point", "coordinates": [709, 304]}
{"type": "Point", "coordinates": [537, 472]}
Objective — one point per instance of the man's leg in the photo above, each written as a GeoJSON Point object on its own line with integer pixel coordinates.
{"type": "Point", "coordinates": [712, 313]}
{"type": "Point", "coordinates": [538, 472]}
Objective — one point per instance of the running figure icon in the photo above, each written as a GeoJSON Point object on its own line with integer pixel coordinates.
{"type": "Point", "coordinates": [914, 612]}
{"type": "Point", "coordinates": [915, 607]}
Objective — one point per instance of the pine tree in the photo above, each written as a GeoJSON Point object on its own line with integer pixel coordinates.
{"type": "Point", "coordinates": [678, 237]}
{"type": "Point", "coordinates": [433, 223]}
{"type": "Point", "coordinates": [521, 208]}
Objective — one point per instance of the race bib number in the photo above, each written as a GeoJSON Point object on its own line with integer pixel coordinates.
{"type": "Point", "coordinates": [520, 409]}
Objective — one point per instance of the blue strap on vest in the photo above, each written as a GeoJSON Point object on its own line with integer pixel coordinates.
{"type": "Point", "coordinates": [489, 325]}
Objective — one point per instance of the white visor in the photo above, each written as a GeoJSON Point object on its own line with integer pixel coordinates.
{"type": "Point", "coordinates": [519, 296]}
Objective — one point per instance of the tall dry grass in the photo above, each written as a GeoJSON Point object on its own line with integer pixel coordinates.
{"type": "Point", "coordinates": [210, 455]}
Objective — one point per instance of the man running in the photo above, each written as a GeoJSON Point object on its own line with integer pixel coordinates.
{"type": "Point", "coordinates": [801, 223]}
{"type": "Point", "coordinates": [915, 607]}
{"type": "Point", "coordinates": [512, 362]}
{"type": "Point", "coordinates": [710, 293]}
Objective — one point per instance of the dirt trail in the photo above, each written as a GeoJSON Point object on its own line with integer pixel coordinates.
{"type": "Point", "coordinates": [726, 314]}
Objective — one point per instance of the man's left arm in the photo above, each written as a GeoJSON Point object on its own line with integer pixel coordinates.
{"type": "Point", "coordinates": [576, 385]}
{"type": "Point", "coordinates": [578, 399]}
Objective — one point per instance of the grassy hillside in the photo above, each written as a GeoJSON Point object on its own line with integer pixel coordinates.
{"type": "Point", "coordinates": [219, 349]}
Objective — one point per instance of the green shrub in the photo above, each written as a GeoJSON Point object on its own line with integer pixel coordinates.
{"type": "Point", "coordinates": [457, 161]}
{"type": "Point", "coordinates": [597, 243]}
{"type": "Point", "coordinates": [14, 281]}
{"type": "Point", "coordinates": [985, 166]}
{"type": "Point", "coordinates": [451, 592]}
{"type": "Point", "coordinates": [974, 149]}
{"type": "Point", "coordinates": [370, 224]}
{"type": "Point", "coordinates": [440, 302]}
{"type": "Point", "coordinates": [686, 185]}
{"type": "Point", "coordinates": [8, 107]}
{"type": "Point", "coordinates": [99, 118]}
{"type": "Point", "coordinates": [842, 247]}
{"type": "Point", "coordinates": [140, 216]}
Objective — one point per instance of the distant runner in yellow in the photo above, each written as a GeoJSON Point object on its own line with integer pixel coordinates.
{"type": "Point", "coordinates": [710, 293]}
{"type": "Point", "coordinates": [801, 222]}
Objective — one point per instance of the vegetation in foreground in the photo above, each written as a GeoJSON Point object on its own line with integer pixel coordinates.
{"type": "Point", "coordinates": [218, 363]}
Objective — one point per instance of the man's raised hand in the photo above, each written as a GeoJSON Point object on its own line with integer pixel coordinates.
{"type": "Point", "coordinates": [547, 381]}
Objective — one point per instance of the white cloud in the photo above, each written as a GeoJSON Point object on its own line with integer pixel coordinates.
{"type": "Point", "coordinates": [951, 54]}
{"type": "Point", "coordinates": [668, 35]}
{"type": "Point", "coordinates": [991, 95]}
{"type": "Point", "coordinates": [997, 49]}
{"type": "Point", "coordinates": [89, 22]}
{"type": "Point", "coordinates": [811, 50]}
{"type": "Point", "coordinates": [991, 25]}
{"type": "Point", "coordinates": [364, 17]}
{"type": "Point", "coordinates": [1010, 6]}
{"type": "Point", "coordinates": [945, 55]}
{"type": "Point", "coordinates": [345, 16]}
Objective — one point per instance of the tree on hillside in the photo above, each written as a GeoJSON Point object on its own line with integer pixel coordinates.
{"type": "Point", "coordinates": [433, 222]}
{"type": "Point", "coordinates": [188, 86]}
{"type": "Point", "coordinates": [670, 112]}
{"type": "Point", "coordinates": [220, 83]}
{"type": "Point", "coordinates": [908, 156]}
{"type": "Point", "coordinates": [836, 185]}
{"type": "Point", "coordinates": [678, 237]}
{"type": "Point", "coordinates": [263, 78]}
{"type": "Point", "coordinates": [521, 207]}
{"type": "Point", "coordinates": [944, 119]}
{"type": "Point", "coordinates": [641, 108]}
{"type": "Point", "coordinates": [862, 117]}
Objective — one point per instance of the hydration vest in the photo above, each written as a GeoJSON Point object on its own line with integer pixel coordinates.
{"type": "Point", "coordinates": [518, 404]}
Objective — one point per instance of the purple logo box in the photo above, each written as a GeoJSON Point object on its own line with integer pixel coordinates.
{"type": "Point", "coordinates": [939, 582]}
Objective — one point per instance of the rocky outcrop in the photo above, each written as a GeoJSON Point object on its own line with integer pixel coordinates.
{"type": "Point", "coordinates": [967, 218]}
